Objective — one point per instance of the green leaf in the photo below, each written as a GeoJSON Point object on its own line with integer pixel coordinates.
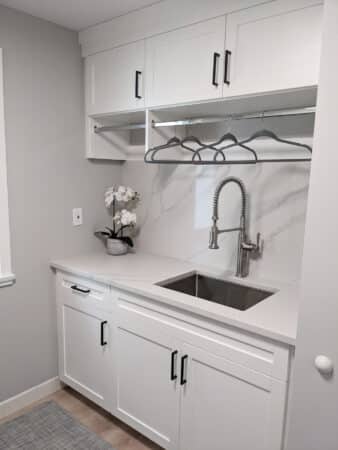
{"type": "Point", "coordinates": [127, 240]}
{"type": "Point", "coordinates": [112, 233]}
{"type": "Point", "coordinates": [103, 235]}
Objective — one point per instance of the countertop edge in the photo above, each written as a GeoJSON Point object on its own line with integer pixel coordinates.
{"type": "Point", "coordinates": [123, 285]}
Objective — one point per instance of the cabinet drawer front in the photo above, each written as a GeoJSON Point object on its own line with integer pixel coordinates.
{"type": "Point", "coordinates": [82, 293]}
{"type": "Point", "coordinates": [251, 351]}
{"type": "Point", "coordinates": [254, 353]}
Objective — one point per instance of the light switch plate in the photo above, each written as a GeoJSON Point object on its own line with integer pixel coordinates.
{"type": "Point", "coordinates": [77, 217]}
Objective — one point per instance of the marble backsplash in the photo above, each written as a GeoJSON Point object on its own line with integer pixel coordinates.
{"type": "Point", "coordinates": [175, 212]}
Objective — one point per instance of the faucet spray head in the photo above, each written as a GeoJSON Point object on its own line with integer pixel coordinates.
{"type": "Point", "coordinates": [213, 242]}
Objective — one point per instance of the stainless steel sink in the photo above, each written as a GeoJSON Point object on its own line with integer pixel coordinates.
{"type": "Point", "coordinates": [217, 291]}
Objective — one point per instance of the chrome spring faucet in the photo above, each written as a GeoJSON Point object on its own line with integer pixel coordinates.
{"type": "Point", "coordinates": [245, 247]}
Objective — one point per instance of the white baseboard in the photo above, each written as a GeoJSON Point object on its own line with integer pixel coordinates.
{"type": "Point", "coordinates": [32, 395]}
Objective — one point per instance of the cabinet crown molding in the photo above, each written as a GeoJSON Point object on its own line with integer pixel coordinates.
{"type": "Point", "coordinates": [155, 19]}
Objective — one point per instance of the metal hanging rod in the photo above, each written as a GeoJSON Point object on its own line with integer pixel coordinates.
{"type": "Point", "coordinates": [254, 115]}
{"type": "Point", "coordinates": [131, 126]}
{"type": "Point", "coordinates": [208, 120]}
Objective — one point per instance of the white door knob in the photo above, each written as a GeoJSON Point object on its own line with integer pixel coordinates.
{"type": "Point", "coordinates": [324, 365]}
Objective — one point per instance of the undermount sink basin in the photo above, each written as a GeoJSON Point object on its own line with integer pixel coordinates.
{"type": "Point", "coordinates": [218, 291]}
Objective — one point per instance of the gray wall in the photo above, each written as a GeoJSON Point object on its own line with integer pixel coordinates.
{"type": "Point", "coordinates": [47, 176]}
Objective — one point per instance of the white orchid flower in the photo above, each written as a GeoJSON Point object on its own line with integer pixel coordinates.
{"type": "Point", "coordinates": [109, 197]}
{"type": "Point", "coordinates": [122, 194]}
{"type": "Point", "coordinates": [125, 218]}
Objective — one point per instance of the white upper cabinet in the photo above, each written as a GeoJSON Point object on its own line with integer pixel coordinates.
{"type": "Point", "coordinates": [186, 65]}
{"type": "Point", "coordinates": [271, 48]}
{"type": "Point", "coordinates": [275, 46]}
{"type": "Point", "coordinates": [115, 80]}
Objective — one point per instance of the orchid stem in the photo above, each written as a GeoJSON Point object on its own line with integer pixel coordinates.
{"type": "Point", "coordinates": [114, 215]}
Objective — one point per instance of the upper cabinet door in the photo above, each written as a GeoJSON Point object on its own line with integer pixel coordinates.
{"type": "Point", "coordinates": [274, 46]}
{"type": "Point", "coordinates": [186, 65]}
{"type": "Point", "coordinates": [115, 80]}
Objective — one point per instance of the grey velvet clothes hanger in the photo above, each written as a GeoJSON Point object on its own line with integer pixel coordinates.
{"type": "Point", "coordinates": [271, 135]}
{"type": "Point", "coordinates": [197, 153]}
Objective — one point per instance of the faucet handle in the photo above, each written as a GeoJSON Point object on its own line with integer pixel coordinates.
{"type": "Point", "coordinates": [255, 248]}
{"type": "Point", "coordinates": [259, 245]}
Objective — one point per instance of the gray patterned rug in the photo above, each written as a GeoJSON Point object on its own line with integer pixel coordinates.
{"type": "Point", "coordinates": [48, 427]}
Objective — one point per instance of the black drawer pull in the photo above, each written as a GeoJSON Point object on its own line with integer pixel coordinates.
{"type": "Point", "coordinates": [227, 66]}
{"type": "Point", "coordinates": [214, 68]}
{"type": "Point", "coordinates": [183, 379]}
{"type": "Point", "coordinates": [102, 341]}
{"type": "Point", "coordinates": [173, 375]}
{"type": "Point", "coordinates": [83, 291]}
{"type": "Point", "coordinates": [138, 73]}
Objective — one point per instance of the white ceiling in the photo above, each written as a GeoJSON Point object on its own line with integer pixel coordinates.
{"type": "Point", "coordinates": [77, 14]}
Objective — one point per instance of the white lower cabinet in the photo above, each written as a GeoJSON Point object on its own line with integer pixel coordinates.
{"type": "Point", "coordinates": [182, 381]}
{"type": "Point", "coordinates": [190, 389]}
{"type": "Point", "coordinates": [227, 406]}
{"type": "Point", "coordinates": [147, 398]}
{"type": "Point", "coordinates": [85, 337]}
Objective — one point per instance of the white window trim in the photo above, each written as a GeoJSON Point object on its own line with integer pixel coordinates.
{"type": "Point", "coordinates": [6, 276]}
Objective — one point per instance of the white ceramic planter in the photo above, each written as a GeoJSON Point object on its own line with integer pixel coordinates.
{"type": "Point", "coordinates": [116, 247]}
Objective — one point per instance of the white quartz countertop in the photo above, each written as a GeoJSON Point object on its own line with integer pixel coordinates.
{"type": "Point", "coordinates": [274, 317]}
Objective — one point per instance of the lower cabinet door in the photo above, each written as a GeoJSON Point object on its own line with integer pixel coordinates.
{"type": "Point", "coordinates": [85, 352]}
{"type": "Point", "coordinates": [147, 380]}
{"type": "Point", "coordinates": [225, 406]}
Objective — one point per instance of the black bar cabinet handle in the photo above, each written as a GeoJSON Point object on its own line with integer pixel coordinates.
{"type": "Point", "coordinates": [173, 375]}
{"type": "Point", "coordinates": [183, 379]}
{"type": "Point", "coordinates": [214, 69]}
{"type": "Point", "coordinates": [138, 73]}
{"type": "Point", "coordinates": [103, 342]}
{"type": "Point", "coordinates": [83, 291]}
{"type": "Point", "coordinates": [227, 66]}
